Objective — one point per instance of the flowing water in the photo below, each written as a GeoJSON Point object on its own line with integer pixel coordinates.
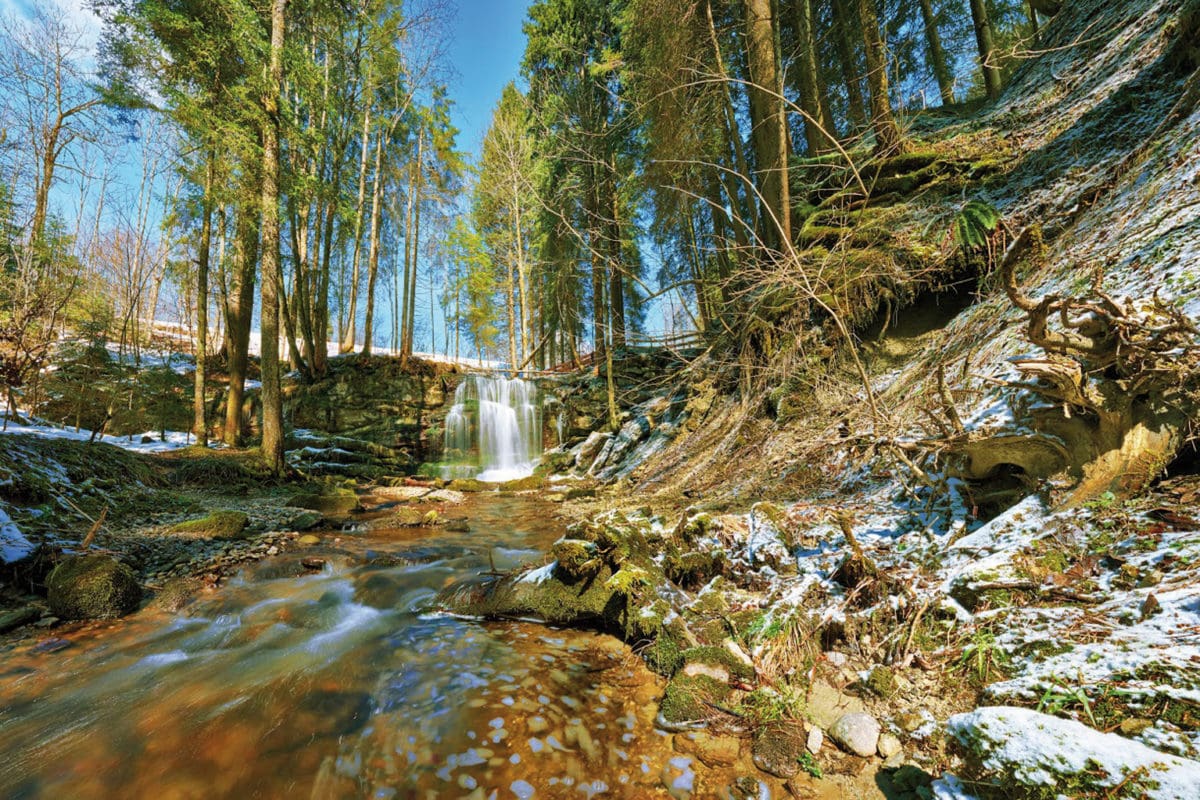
{"type": "Point", "coordinates": [339, 684]}
{"type": "Point", "coordinates": [494, 429]}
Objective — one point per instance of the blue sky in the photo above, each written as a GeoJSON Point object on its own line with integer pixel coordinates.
{"type": "Point", "coordinates": [485, 48]}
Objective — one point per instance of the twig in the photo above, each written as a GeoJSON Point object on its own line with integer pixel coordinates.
{"type": "Point", "coordinates": [87, 540]}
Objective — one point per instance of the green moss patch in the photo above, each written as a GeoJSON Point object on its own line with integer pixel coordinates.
{"type": "Point", "coordinates": [92, 587]}
{"type": "Point", "coordinates": [688, 698]}
{"type": "Point", "coordinates": [217, 525]}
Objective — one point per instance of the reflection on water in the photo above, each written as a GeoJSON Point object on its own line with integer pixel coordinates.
{"type": "Point", "coordinates": [338, 684]}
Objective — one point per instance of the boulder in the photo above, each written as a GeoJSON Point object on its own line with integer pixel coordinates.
{"type": "Point", "coordinates": [216, 525]}
{"type": "Point", "coordinates": [590, 449]}
{"type": "Point", "coordinates": [92, 587]}
{"type": "Point", "coordinates": [856, 733]}
{"type": "Point", "coordinates": [333, 502]}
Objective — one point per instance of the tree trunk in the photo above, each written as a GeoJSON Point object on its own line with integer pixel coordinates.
{"type": "Point", "coordinates": [199, 415]}
{"type": "Point", "coordinates": [818, 125]}
{"type": "Point", "coordinates": [239, 311]}
{"type": "Point", "coordinates": [983, 37]}
{"type": "Point", "coordinates": [616, 274]}
{"type": "Point", "coordinates": [410, 315]}
{"type": "Point", "coordinates": [843, 39]}
{"type": "Point", "coordinates": [359, 209]}
{"type": "Point", "coordinates": [937, 56]}
{"type": "Point", "coordinates": [745, 213]}
{"type": "Point", "coordinates": [887, 135]}
{"type": "Point", "coordinates": [373, 253]}
{"type": "Point", "coordinates": [769, 125]}
{"type": "Point", "coordinates": [272, 400]}
{"type": "Point", "coordinates": [522, 278]}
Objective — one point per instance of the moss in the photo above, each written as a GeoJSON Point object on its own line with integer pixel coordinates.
{"type": "Point", "coordinates": [630, 580]}
{"type": "Point", "coordinates": [711, 602]}
{"type": "Point", "coordinates": [664, 655]}
{"type": "Point", "coordinates": [713, 656]}
{"type": "Point", "coordinates": [766, 705]}
{"type": "Point", "coordinates": [217, 525]}
{"type": "Point", "coordinates": [688, 698]}
{"type": "Point", "coordinates": [692, 569]}
{"type": "Point", "coordinates": [331, 501]}
{"type": "Point", "coordinates": [92, 587]}
{"type": "Point", "coordinates": [218, 471]}
{"type": "Point", "coordinates": [469, 485]}
{"type": "Point", "coordinates": [576, 558]}
{"type": "Point", "coordinates": [530, 483]}
{"type": "Point", "coordinates": [882, 681]}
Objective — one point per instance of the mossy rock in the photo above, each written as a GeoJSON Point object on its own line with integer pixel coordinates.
{"type": "Point", "coordinates": [688, 698]}
{"type": "Point", "coordinates": [576, 558]}
{"type": "Point", "coordinates": [305, 521]}
{"type": "Point", "coordinates": [579, 493]}
{"type": "Point", "coordinates": [664, 655]}
{"type": "Point", "coordinates": [716, 661]}
{"type": "Point", "coordinates": [217, 525]}
{"type": "Point", "coordinates": [777, 747]}
{"type": "Point", "coordinates": [330, 502]}
{"type": "Point", "coordinates": [92, 587]}
{"type": "Point", "coordinates": [469, 485]}
{"type": "Point", "coordinates": [528, 484]}
{"type": "Point", "coordinates": [691, 569]}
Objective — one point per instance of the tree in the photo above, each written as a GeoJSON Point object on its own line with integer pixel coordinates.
{"type": "Point", "coordinates": [505, 194]}
{"type": "Point", "coordinates": [768, 122]}
{"type": "Point", "coordinates": [272, 401]}
{"type": "Point", "coordinates": [984, 38]}
{"type": "Point", "coordinates": [818, 124]}
{"type": "Point", "coordinates": [937, 56]}
{"type": "Point", "coordinates": [46, 100]}
{"type": "Point", "coordinates": [887, 134]}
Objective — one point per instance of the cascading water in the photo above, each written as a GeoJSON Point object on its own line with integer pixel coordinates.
{"type": "Point", "coordinates": [494, 429]}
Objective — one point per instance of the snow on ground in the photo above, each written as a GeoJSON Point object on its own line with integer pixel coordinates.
{"type": "Point", "coordinates": [13, 544]}
{"type": "Point", "coordinates": [148, 442]}
{"type": "Point", "coordinates": [1041, 750]}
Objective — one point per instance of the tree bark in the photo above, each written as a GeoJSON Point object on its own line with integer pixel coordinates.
{"type": "Point", "coordinates": [843, 39]}
{"type": "Point", "coordinates": [239, 311]}
{"type": "Point", "coordinates": [818, 125]}
{"type": "Point", "coordinates": [984, 38]}
{"type": "Point", "coordinates": [937, 55]}
{"type": "Point", "coordinates": [272, 399]}
{"type": "Point", "coordinates": [373, 251]}
{"type": "Point", "coordinates": [359, 209]}
{"type": "Point", "coordinates": [887, 135]}
{"type": "Point", "coordinates": [199, 409]}
{"type": "Point", "coordinates": [769, 125]}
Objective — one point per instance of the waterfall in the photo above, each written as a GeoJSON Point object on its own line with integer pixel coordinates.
{"type": "Point", "coordinates": [494, 429]}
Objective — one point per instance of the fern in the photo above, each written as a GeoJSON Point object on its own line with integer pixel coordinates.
{"type": "Point", "coordinates": [974, 225]}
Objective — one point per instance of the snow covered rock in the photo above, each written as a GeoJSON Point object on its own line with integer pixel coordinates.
{"type": "Point", "coordinates": [1036, 749]}
{"type": "Point", "coordinates": [13, 544]}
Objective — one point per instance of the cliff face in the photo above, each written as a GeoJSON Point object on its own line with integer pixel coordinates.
{"type": "Point", "coordinates": [400, 410]}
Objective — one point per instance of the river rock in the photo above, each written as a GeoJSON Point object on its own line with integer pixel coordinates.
{"type": "Point", "coordinates": [889, 745]}
{"type": "Point", "coordinates": [777, 748]}
{"type": "Point", "coordinates": [216, 525]}
{"type": "Point", "coordinates": [15, 619]}
{"type": "Point", "coordinates": [816, 738]}
{"type": "Point", "coordinates": [92, 587]}
{"type": "Point", "coordinates": [331, 503]}
{"type": "Point", "coordinates": [717, 751]}
{"type": "Point", "coordinates": [857, 733]}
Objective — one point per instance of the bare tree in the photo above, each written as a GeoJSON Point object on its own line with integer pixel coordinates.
{"type": "Point", "coordinates": [46, 100]}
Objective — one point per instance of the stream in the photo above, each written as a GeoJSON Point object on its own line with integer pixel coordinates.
{"type": "Point", "coordinates": [340, 684]}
